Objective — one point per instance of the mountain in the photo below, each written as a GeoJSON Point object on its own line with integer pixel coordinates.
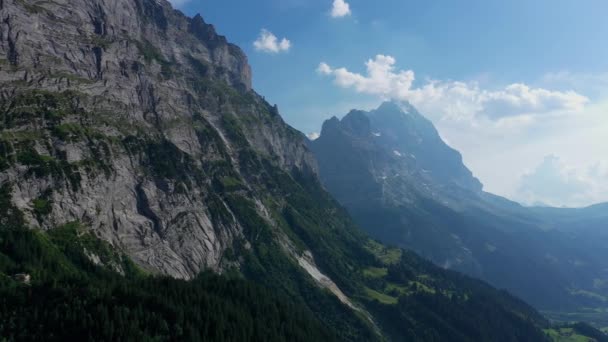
{"type": "Point", "coordinates": [403, 185]}
{"type": "Point", "coordinates": [134, 153]}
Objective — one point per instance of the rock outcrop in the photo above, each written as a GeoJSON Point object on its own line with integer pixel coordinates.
{"type": "Point", "coordinates": [129, 116]}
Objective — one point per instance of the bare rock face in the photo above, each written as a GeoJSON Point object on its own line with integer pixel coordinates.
{"type": "Point", "coordinates": [399, 164]}
{"type": "Point", "coordinates": [130, 117]}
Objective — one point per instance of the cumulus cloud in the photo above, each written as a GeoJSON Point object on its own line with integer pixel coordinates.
{"type": "Point", "coordinates": [269, 43]}
{"type": "Point", "coordinates": [554, 183]}
{"type": "Point", "coordinates": [324, 69]}
{"type": "Point", "coordinates": [381, 79]}
{"type": "Point", "coordinates": [340, 8]}
{"type": "Point", "coordinates": [520, 98]}
{"type": "Point", "coordinates": [313, 136]}
{"type": "Point", "coordinates": [452, 99]}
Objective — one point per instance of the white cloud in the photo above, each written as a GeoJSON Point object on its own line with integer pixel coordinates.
{"type": "Point", "coordinates": [595, 83]}
{"type": "Point", "coordinates": [269, 43]}
{"type": "Point", "coordinates": [500, 153]}
{"type": "Point", "coordinates": [313, 136]}
{"type": "Point", "coordinates": [324, 69]}
{"type": "Point", "coordinates": [340, 8]}
{"type": "Point", "coordinates": [453, 100]}
{"type": "Point", "coordinates": [381, 79]}
{"type": "Point", "coordinates": [554, 183]}
{"type": "Point", "coordinates": [521, 99]}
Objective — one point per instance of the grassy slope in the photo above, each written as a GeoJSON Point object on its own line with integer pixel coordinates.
{"type": "Point", "coordinates": [578, 332]}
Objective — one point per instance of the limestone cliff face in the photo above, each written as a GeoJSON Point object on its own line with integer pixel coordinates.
{"type": "Point", "coordinates": [107, 39]}
{"type": "Point", "coordinates": [130, 117]}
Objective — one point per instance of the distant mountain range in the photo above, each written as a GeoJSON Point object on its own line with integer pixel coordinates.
{"type": "Point", "coordinates": [407, 188]}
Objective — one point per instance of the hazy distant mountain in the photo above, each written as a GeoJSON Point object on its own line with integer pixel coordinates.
{"type": "Point", "coordinates": [406, 187]}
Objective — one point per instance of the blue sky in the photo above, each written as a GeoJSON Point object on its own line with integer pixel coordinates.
{"type": "Point", "coordinates": [457, 62]}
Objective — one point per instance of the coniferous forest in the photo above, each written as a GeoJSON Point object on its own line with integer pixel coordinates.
{"type": "Point", "coordinates": [70, 298]}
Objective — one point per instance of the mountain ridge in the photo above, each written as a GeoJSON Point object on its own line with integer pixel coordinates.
{"type": "Point", "coordinates": [408, 188]}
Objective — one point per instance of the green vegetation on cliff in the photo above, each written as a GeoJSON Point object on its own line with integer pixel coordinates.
{"type": "Point", "coordinates": [71, 298]}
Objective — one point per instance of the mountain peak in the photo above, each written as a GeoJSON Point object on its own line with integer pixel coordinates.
{"type": "Point", "coordinates": [390, 106]}
{"type": "Point", "coordinates": [357, 123]}
{"type": "Point", "coordinates": [399, 129]}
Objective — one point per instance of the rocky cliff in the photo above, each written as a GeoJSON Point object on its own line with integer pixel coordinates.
{"type": "Point", "coordinates": [126, 115]}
